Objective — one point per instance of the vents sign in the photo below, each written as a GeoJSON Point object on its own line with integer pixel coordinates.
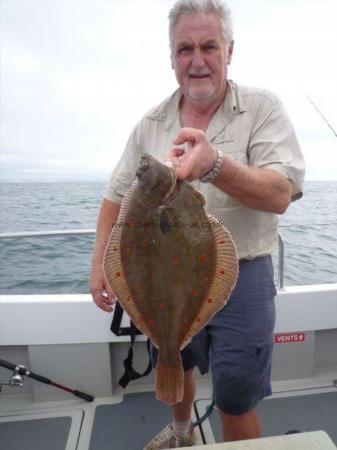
{"type": "Point", "coordinates": [286, 338]}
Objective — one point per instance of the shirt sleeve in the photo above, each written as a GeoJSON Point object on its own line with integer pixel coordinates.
{"type": "Point", "coordinates": [125, 172]}
{"type": "Point", "coordinates": [274, 144]}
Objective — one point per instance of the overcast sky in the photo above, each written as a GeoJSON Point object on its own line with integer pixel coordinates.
{"type": "Point", "coordinates": [76, 76]}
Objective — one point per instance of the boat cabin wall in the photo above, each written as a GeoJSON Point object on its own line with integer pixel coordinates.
{"type": "Point", "coordinates": [67, 339]}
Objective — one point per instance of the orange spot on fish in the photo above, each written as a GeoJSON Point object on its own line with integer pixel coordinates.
{"type": "Point", "coordinates": [221, 242]}
{"type": "Point", "coordinates": [162, 306]}
{"type": "Point", "coordinates": [202, 258]}
{"type": "Point", "coordinates": [176, 259]}
{"type": "Point", "coordinates": [115, 249]}
{"type": "Point", "coordinates": [198, 319]}
{"type": "Point", "coordinates": [222, 271]}
{"type": "Point", "coordinates": [128, 298]}
{"type": "Point", "coordinates": [118, 274]}
{"type": "Point", "coordinates": [210, 300]}
{"type": "Point", "coordinates": [195, 293]}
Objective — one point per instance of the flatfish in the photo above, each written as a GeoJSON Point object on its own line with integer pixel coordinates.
{"type": "Point", "coordinates": [171, 265]}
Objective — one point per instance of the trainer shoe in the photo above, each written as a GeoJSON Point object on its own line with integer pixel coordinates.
{"type": "Point", "coordinates": [167, 439]}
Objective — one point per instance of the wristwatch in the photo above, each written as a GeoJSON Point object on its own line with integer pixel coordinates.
{"type": "Point", "coordinates": [214, 172]}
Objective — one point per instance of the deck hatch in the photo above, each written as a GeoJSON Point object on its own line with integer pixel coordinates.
{"type": "Point", "coordinates": [129, 424]}
{"type": "Point", "coordinates": [40, 431]}
{"type": "Point", "coordinates": [311, 412]}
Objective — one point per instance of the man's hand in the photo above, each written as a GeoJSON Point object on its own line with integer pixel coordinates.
{"type": "Point", "coordinates": [102, 295]}
{"type": "Point", "coordinates": [198, 160]}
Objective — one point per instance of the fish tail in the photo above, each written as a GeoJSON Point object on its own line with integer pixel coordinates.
{"type": "Point", "coordinates": [170, 381]}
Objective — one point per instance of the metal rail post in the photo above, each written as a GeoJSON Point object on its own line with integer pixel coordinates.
{"type": "Point", "coordinates": [280, 261]}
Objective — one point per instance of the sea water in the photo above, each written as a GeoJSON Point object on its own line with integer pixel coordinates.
{"type": "Point", "coordinates": [54, 265]}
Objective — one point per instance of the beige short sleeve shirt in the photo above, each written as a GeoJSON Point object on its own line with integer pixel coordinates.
{"type": "Point", "coordinates": [253, 128]}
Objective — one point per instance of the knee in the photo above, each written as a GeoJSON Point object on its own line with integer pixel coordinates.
{"type": "Point", "coordinates": [189, 374]}
{"type": "Point", "coordinates": [239, 427]}
{"type": "Point", "coordinates": [236, 394]}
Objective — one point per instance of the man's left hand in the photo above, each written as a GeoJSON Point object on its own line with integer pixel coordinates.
{"type": "Point", "coordinates": [197, 160]}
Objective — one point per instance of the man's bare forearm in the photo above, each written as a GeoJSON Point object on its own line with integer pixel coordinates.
{"type": "Point", "coordinates": [258, 188]}
{"type": "Point", "coordinates": [106, 219]}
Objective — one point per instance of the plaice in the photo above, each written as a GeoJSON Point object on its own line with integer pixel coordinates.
{"type": "Point", "coordinates": [171, 265]}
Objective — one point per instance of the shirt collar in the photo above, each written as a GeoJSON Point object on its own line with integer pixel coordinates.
{"type": "Point", "coordinates": [168, 111]}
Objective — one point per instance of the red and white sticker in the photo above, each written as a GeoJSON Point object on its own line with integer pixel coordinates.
{"type": "Point", "coordinates": [286, 338]}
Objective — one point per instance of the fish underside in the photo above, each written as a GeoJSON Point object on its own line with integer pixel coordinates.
{"type": "Point", "coordinates": [171, 265]}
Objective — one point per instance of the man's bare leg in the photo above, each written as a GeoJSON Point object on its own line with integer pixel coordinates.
{"type": "Point", "coordinates": [182, 411]}
{"type": "Point", "coordinates": [244, 426]}
{"type": "Point", "coordinates": [181, 420]}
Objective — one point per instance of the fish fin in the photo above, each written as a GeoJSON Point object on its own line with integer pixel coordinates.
{"type": "Point", "coordinates": [111, 260]}
{"type": "Point", "coordinates": [169, 381]}
{"type": "Point", "coordinates": [227, 264]}
{"type": "Point", "coordinates": [224, 281]}
{"type": "Point", "coordinates": [113, 269]}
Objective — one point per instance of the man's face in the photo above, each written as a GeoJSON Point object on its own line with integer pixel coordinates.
{"type": "Point", "coordinates": [200, 57]}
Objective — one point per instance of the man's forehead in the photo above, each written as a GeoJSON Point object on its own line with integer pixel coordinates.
{"type": "Point", "coordinates": [206, 39]}
{"type": "Point", "coordinates": [199, 27]}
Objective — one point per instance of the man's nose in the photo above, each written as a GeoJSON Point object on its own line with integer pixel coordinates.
{"type": "Point", "coordinates": [197, 58]}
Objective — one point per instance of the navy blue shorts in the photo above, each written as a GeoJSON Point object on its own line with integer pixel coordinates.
{"type": "Point", "coordinates": [237, 343]}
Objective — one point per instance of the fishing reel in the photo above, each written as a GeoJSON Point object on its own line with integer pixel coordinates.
{"type": "Point", "coordinates": [16, 379]}
{"type": "Point", "coordinates": [20, 371]}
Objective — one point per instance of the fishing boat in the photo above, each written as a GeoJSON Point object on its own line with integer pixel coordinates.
{"type": "Point", "coordinates": [60, 366]}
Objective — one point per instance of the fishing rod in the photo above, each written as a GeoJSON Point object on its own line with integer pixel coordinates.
{"type": "Point", "coordinates": [324, 118]}
{"type": "Point", "coordinates": [20, 371]}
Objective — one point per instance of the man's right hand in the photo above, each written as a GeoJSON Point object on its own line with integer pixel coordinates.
{"type": "Point", "coordinates": [102, 295]}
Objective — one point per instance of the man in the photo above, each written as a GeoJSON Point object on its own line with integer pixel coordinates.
{"type": "Point", "coordinates": [239, 149]}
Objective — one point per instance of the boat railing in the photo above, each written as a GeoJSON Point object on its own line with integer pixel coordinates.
{"type": "Point", "coordinates": [52, 233]}
{"type": "Point", "coordinates": [280, 262]}
{"type": "Point", "coordinates": [91, 232]}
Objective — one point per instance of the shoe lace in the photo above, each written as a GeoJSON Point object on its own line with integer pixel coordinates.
{"type": "Point", "coordinates": [165, 435]}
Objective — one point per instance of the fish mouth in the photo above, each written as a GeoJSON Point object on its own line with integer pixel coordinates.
{"type": "Point", "coordinates": [162, 189]}
{"type": "Point", "coordinates": [171, 192]}
{"type": "Point", "coordinates": [144, 164]}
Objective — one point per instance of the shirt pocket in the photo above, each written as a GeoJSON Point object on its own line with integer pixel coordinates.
{"type": "Point", "coordinates": [229, 145]}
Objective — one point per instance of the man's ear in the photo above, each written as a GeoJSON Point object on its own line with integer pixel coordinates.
{"type": "Point", "coordinates": [230, 52]}
{"type": "Point", "coordinates": [172, 63]}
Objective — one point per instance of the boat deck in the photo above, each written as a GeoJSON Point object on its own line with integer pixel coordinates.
{"type": "Point", "coordinates": [127, 422]}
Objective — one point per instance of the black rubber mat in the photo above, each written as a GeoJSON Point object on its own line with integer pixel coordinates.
{"type": "Point", "coordinates": [128, 425]}
{"type": "Point", "coordinates": [38, 434]}
{"type": "Point", "coordinates": [305, 413]}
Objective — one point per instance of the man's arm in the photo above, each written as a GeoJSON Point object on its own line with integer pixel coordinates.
{"type": "Point", "coordinates": [258, 188]}
{"type": "Point", "coordinates": [106, 219]}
